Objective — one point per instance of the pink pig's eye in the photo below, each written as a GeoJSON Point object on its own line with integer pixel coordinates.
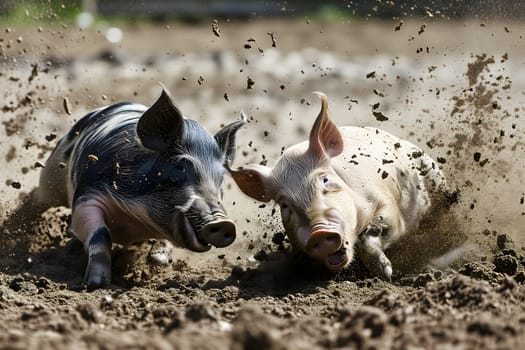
{"type": "Point", "coordinates": [330, 184]}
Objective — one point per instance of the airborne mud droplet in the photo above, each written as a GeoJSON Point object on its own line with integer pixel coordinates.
{"type": "Point", "coordinates": [16, 185]}
{"type": "Point", "coordinates": [398, 27]}
{"type": "Point", "coordinates": [215, 28]}
{"type": "Point", "coordinates": [66, 105]}
{"type": "Point", "coordinates": [273, 38]}
{"type": "Point", "coordinates": [249, 83]}
{"type": "Point", "coordinates": [380, 117]}
{"type": "Point", "coordinates": [34, 72]}
{"type": "Point", "coordinates": [92, 158]}
{"type": "Point", "coordinates": [378, 93]}
{"type": "Point", "coordinates": [50, 137]}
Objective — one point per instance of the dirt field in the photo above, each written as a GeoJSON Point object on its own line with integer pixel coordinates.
{"type": "Point", "coordinates": [455, 89]}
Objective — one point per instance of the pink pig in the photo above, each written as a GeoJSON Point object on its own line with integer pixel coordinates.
{"type": "Point", "coordinates": [347, 187]}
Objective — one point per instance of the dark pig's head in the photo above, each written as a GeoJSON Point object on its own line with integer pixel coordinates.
{"type": "Point", "coordinates": [186, 169]}
{"type": "Point", "coordinates": [316, 203]}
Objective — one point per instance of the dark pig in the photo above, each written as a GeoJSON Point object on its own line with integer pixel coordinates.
{"type": "Point", "coordinates": [347, 187]}
{"type": "Point", "coordinates": [130, 173]}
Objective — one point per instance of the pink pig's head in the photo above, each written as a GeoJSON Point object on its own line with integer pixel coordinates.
{"type": "Point", "coordinates": [317, 209]}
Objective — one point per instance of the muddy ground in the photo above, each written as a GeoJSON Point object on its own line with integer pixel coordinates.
{"type": "Point", "coordinates": [454, 88]}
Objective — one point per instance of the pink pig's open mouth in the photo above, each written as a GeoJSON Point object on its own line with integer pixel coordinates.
{"type": "Point", "coordinates": [326, 244]}
{"type": "Point", "coordinates": [337, 260]}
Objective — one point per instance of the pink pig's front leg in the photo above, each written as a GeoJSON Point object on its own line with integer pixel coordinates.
{"type": "Point", "coordinates": [372, 242]}
{"type": "Point", "coordinates": [369, 250]}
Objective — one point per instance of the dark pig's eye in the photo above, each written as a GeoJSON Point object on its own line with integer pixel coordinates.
{"type": "Point", "coordinates": [285, 210]}
{"type": "Point", "coordinates": [180, 167]}
{"type": "Point", "coordinates": [180, 170]}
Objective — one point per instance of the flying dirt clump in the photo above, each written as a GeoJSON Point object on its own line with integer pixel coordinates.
{"type": "Point", "coordinates": [476, 110]}
{"type": "Point", "coordinates": [475, 68]}
{"type": "Point", "coordinates": [485, 137]}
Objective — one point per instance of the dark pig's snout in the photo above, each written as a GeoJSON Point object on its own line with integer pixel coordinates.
{"type": "Point", "coordinates": [213, 226]}
{"type": "Point", "coordinates": [322, 243]}
{"type": "Point", "coordinates": [219, 233]}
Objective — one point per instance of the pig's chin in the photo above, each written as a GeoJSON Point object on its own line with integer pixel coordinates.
{"type": "Point", "coordinates": [190, 236]}
{"type": "Point", "coordinates": [337, 260]}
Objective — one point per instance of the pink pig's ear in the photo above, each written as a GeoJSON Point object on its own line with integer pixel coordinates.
{"type": "Point", "coordinates": [325, 138]}
{"type": "Point", "coordinates": [254, 180]}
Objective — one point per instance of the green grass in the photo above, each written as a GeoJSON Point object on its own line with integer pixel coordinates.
{"type": "Point", "coordinates": [53, 12]}
{"type": "Point", "coordinates": [26, 12]}
{"type": "Point", "coordinates": [330, 13]}
{"type": "Point", "coordinates": [58, 12]}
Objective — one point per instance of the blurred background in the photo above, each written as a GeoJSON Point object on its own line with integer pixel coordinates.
{"type": "Point", "coordinates": [447, 75]}
{"type": "Point", "coordinates": [198, 9]}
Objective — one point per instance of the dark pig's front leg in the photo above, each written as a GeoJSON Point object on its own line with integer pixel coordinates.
{"type": "Point", "coordinates": [88, 223]}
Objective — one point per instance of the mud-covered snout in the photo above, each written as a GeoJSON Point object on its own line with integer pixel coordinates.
{"type": "Point", "coordinates": [327, 246]}
{"type": "Point", "coordinates": [205, 224]}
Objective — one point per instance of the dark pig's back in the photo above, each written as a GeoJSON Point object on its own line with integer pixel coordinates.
{"type": "Point", "coordinates": [103, 147]}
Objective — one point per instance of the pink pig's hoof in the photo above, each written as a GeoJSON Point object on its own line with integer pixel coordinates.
{"type": "Point", "coordinates": [387, 273]}
{"type": "Point", "coordinates": [375, 260]}
{"type": "Point", "coordinates": [381, 267]}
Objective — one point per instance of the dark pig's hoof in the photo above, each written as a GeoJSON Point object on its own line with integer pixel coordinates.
{"type": "Point", "coordinates": [98, 271]}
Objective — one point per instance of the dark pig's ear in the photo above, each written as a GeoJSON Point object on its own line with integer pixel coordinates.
{"type": "Point", "coordinates": [161, 125]}
{"type": "Point", "coordinates": [226, 138]}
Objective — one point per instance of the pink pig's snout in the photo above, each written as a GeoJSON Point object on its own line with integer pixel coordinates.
{"type": "Point", "coordinates": [323, 243]}
{"type": "Point", "coordinates": [219, 233]}
{"type": "Point", "coordinates": [327, 246]}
